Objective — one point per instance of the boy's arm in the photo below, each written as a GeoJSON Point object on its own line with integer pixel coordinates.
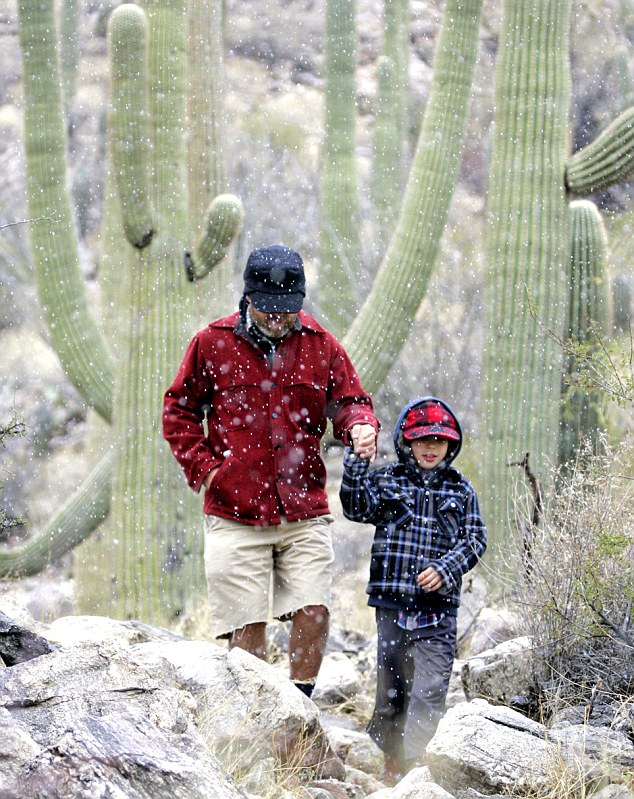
{"type": "Point", "coordinates": [470, 547]}
{"type": "Point", "coordinates": [358, 501]}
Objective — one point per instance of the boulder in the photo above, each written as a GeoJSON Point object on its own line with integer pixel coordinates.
{"type": "Point", "coordinates": [501, 673]}
{"type": "Point", "coordinates": [338, 681]}
{"type": "Point", "coordinates": [18, 644]}
{"type": "Point", "coordinates": [489, 749]}
{"type": "Point", "coordinates": [248, 712]}
{"type": "Point", "coordinates": [417, 784]}
{"type": "Point", "coordinates": [122, 754]}
{"type": "Point", "coordinates": [356, 749]}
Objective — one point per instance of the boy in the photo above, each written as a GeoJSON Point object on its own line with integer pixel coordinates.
{"type": "Point", "coordinates": [429, 533]}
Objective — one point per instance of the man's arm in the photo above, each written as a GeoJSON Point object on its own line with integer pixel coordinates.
{"type": "Point", "coordinates": [182, 420]}
{"type": "Point", "coordinates": [350, 406]}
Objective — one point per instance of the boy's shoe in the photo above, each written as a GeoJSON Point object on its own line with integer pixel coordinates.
{"type": "Point", "coordinates": [391, 770]}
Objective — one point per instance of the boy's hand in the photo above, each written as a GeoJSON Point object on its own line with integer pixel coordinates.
{"type": "Point", "coordinates": [363, 437]}
{"type": "Point", "coordinates": [429, 579]}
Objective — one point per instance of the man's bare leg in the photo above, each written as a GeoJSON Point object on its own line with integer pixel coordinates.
{"type": "Point", "coordinates": [307, 644]}
{"type": "Point", "coordinates": [251, 637]}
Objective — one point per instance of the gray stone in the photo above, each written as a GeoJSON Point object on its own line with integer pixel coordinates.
{"type": "Point", "coordinates": [500, 673]}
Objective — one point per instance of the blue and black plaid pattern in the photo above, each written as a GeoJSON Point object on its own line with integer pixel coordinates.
{"type": "Point", "coordinates": [421, 519]}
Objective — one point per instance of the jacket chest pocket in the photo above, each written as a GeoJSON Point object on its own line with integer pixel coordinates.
{"type": "Point", "coordinates": [450, 516]}
{"type": "Point", "coordinates": [306, 406]}
{"type": "Point", "coordinates": [238, 407]}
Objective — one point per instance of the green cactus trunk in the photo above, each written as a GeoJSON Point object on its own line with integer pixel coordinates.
{"type": "Point", "coordinates": [582, 411]}
{"type": "Point", "coordinates": [73, 330]}
{"type": "Point", "coordinates": [147, 560]}
{"type": "Point", "coordinates": [150, 549]}
{"type": "Point", "coordinates": [339, 243]}
{"type": "Point", "coordinates": [382, 326]}
{"type": "Point", "coordinates": [525, 300]}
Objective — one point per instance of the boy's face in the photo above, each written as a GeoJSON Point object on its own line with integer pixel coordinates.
{"type": "Point", "coordinates": [429, 451]}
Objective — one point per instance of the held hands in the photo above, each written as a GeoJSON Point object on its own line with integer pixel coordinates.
{"type": "Point", "coordinates": [363, 437]}
{"type": "Point", "coordinates": [429, 579]}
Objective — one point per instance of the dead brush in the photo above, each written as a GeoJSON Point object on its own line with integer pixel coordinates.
{"type": "Point", "coordinates": [577, 590]}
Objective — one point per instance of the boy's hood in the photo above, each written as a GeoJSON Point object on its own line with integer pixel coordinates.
{"type": "Point", "coordinates": [403, 451]}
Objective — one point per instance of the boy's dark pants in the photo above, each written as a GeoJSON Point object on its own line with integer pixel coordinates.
{"type": "Point", "coordinates": [413, 672]}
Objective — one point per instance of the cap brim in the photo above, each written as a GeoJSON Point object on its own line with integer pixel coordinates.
{"type": "Point", "coordinates": [431, 430]}
{"type": "Point", "coordinates": [277, 303]}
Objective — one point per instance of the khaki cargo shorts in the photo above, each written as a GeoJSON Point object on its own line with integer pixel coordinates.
{"type": "Point", "coordinates": [258, 573]}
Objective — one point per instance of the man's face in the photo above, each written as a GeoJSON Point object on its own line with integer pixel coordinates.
{"type": "Point", "coordinates": [273, 325]}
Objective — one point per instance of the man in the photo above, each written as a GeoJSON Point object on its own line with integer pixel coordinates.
{"type": "Point", "coordinates": [245, 417]}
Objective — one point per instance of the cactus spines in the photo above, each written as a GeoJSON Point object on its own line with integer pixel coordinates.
{"type": "Point", "coordinates": [73, 330]}
{"type": "Point", "coordinates": [224, 221]}
{"type": "Point", "coordinates": [80, 515]}
{"type": "Point", "coordinates": [621, 304]}
{"type": "Point", "coordinates": [582, 415]}
{"type": "Point", "coordinates": [528, 250]}
{"type": "Point", "coordinates": [339, 242]}
{"type": "Point", "coordinates": [609, 159]}
{"type": "Point", "coordinates": [381, 327]}
{"type": "Point", "coordinates": [129, 121]}
{"type": "Point", "coordinates": [388, 150]}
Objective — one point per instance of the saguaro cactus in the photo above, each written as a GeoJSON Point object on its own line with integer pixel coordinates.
{"type": "Point", "coordinates": [528, 246]}
{"type": "Point", "coordinates": [382, 325]}
{"type": "Point", "coordinates": [148, 554]}
{"type": "Point", "coordinates": [587, 320]}
{"type": "Point", "coordinates": [526, 297]}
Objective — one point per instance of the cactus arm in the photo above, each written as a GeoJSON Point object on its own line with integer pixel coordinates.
{"type": "Point", "coordinates": [388, 151]}
{"type": "Point", "coordinates": [609, 159]}
{"type": "Point", "coordinates": [339, 244]}
{"type": "Point", "coordinates": [582, 411]}
{"type": "Point", "coordinates": [129, 121]}
{"type": "Point", "coordinates": [224, 221]}
{"type": "Point", "coordinates": [70, 49]}
{"type": "Point", "coordinates": [73, 331]}
{"type": "Point", "coordinates": [383, 324]}
{"type": "Point", "coordinates": [71, 525]}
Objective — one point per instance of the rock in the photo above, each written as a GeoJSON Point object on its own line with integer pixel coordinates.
{"type": "Point", "coordinates": [17, 747]}
{"type": "Point", "coordinates": [73, 630]}
{"type": "Point", "coordinates": [338, 680]}
{"type": "Point", "coordinates": [490, 627]}
{"type": "Point", "coordinates": [607, 752]}
{"type": "Point", "coordinates": [501, 673]}
{"type": "Point", "coordinates": [356, 749]}
{"type": "Point", "coordinates": [365, 781]}
{"type": "Point", "coordinates": [246, 710]}
{"type": "Point", "coordinates": [614, 792]}
{"type": "Point", "coordinates": [124, 754]}
{"type": "Point", "coordinates": [490, 749]}
{"type": "Point", "coordinates": [18, 644]}
{"type": "Point", "coordinates": [416, 784]}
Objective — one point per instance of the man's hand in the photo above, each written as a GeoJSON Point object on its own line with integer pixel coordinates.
{"type": "Point", "coordinates": [209, 478]}
{"type": "Point", "coordinates": [363, 437]}
{"type": "Point", "coordinates": [429, 579]}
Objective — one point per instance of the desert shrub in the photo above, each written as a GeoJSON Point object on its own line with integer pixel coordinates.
{"type": "Point", "coordinates": [15, 427]}
{"type": "Point", "coordinates": [577, 590]}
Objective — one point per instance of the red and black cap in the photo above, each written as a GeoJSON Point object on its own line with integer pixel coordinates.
{"type": "Point", "coordinates": [430, 419]}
